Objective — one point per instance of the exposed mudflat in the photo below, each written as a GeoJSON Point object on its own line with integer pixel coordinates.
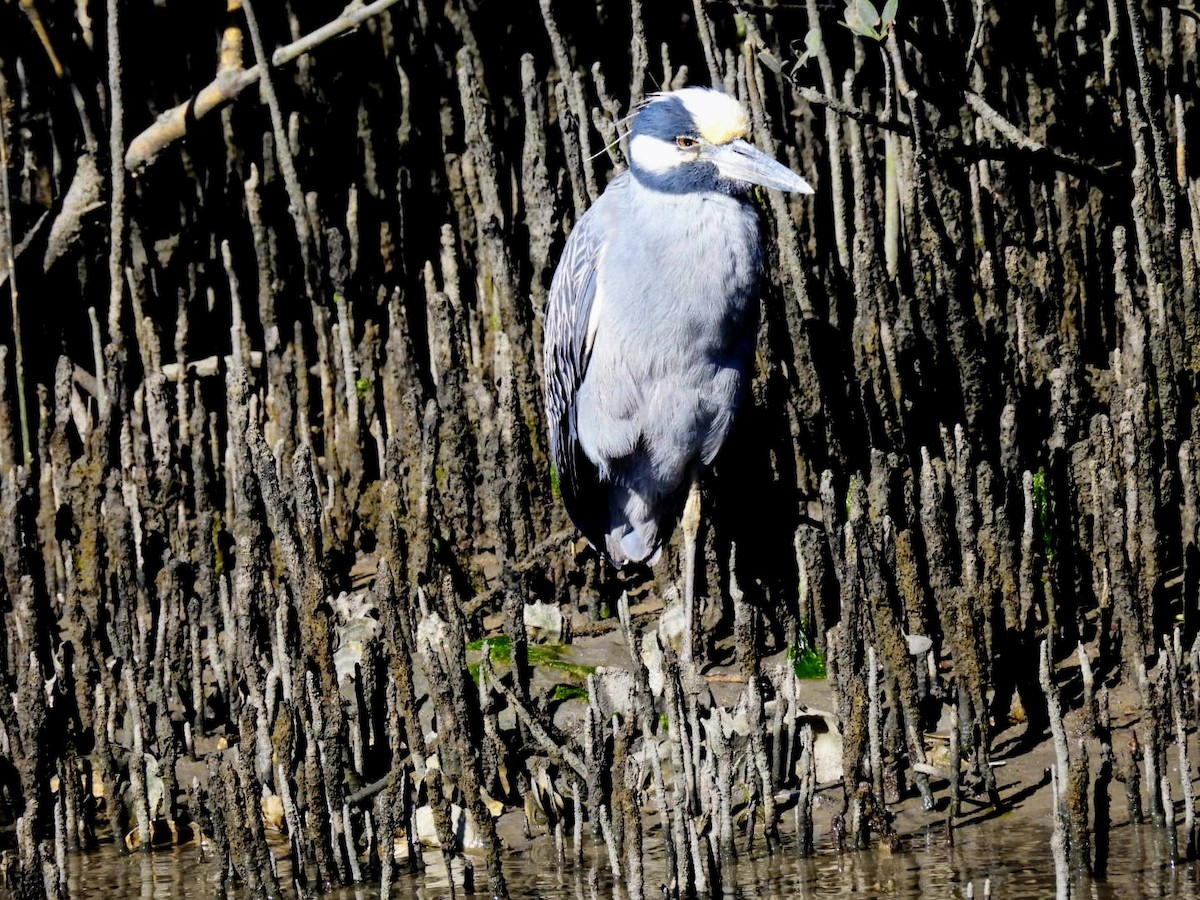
{"type": "Point", "coordinates": [1005, 850]}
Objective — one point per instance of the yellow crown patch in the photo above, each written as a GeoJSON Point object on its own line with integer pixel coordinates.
{"type": "Point", "coordinates": [724, 131]}
{"type": "Point", "coordinates": [719, 118]}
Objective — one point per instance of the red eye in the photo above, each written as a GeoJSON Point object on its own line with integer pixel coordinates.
{"type": "Point", "coordinates": [683, 142]}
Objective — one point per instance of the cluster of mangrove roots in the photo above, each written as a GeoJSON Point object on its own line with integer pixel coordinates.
{"type": "Point", "coordinates": [272, 449]}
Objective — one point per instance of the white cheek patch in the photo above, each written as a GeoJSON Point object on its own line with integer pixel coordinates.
{"type": "Point", "coordinates": [653, 154]}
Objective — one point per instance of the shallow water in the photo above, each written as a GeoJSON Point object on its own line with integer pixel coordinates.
{"type": "Point", "coordinates": [1016, 858]}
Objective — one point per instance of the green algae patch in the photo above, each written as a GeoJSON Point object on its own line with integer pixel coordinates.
{"type": "Point", "coordinates": [549, 656]}
{"type": "Point", "coordinates": [570, 692]}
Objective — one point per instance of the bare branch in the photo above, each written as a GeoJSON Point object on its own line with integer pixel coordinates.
{"type": "Point", "coordinates": [231, 80]}
{"type": "Point", "coordinates": [39, 27]}
{"type": "Point", "coordinates": [1015, 136]}
{"type": "Point", "coordinates": [817, 98]}
{"type": "Point", "coordinates": [352, 16]}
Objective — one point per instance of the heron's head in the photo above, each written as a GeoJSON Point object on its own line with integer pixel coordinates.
{"type": "Point", "coordinates": [695, 139]}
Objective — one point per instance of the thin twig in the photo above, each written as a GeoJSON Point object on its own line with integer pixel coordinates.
{"type": "Point", "coordinates": [535, 557]}
{"type": "Point", "coordinates": [982, 108]}
{"type": "Point", "coordinates": [39, 27]}
{"type": "Point", "coordinates": [819, 99]}
{"type": "Point", "coordinates": [283, 152]}
{"type": "Point", "coordinates": [352, 16]}
{"type": "Point", "coordinates": [1019, 139]}
{"type": "Point", "coordinates": [173, 124]}
{"type": "Point", "coordinates": [555, 749]}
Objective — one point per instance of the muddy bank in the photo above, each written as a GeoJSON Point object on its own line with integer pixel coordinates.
{"type": "Point", "coordinates": [273, 463]}
{"type": "Point", "coordinates": [985, 850]}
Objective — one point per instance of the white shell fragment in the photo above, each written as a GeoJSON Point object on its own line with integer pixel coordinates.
{"type": "Point", "coordinates": [544, 621]}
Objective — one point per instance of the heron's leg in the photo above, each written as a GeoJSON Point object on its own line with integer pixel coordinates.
{"type": "Point", "coordinates": [690, 524]}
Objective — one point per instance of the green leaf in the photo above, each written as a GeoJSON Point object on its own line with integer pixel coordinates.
{"type": "Point", "coordinates": [861, 17]}
{"type": "Point", "coordinates": [852, 20]}
{"type": "Point", "coordinates": [812, 43]}
{"type": "Point", "coordinates": [889, 12]}
{"type": "Point", "coordinates": [768, 59]}
{"type": "Point", "coordinates": [867, 12]}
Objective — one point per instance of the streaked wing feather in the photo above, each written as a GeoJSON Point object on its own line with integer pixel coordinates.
{"type": "Point", "coordinates": [567, 351]}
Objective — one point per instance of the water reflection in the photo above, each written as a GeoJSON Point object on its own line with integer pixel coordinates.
{"type": "Point", "coordinates": [1015, 858]}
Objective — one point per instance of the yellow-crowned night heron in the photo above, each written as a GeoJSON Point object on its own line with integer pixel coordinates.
{"type": "Point", "coordinates": [651, 323]}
